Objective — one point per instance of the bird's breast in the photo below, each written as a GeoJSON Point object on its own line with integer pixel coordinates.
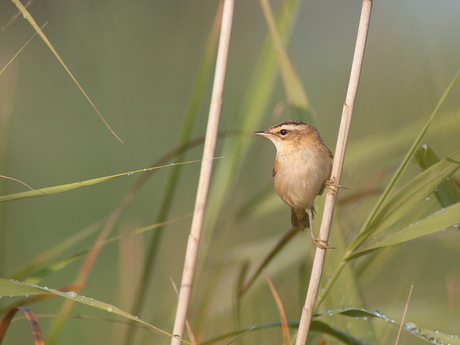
{"type": "Point", "coordinates": [300, 175]}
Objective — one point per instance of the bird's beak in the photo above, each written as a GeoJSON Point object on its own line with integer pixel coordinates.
{"type": "Point", "coordinates": [262, 133]}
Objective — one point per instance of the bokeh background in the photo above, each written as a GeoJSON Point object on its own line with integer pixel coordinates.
{"type": "Point", "coordinates": [138, 62]}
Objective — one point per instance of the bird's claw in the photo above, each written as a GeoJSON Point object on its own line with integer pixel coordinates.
{"type": "Point", "coordinates": [333, 187]}
{"type": "Point", "coordinates": [322, 244]}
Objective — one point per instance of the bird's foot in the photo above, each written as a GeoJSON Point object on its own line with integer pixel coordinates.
{"type": "Point", "coordinates": [320, 243]}
{"type": "Point", "coordinates": [333, 187]}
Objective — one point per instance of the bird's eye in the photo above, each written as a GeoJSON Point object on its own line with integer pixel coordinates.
{"type": "Point", "coordinates": [283, 132]}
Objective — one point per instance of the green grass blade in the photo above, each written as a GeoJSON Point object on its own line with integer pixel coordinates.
{"type": "Point", "coordinates": [71, 186]}
{"type": "Point", "coordinates": [295, 93]}
{"type": "Point", "coordinates": [316, 326]}
{"type": "Point", "coordinates": [428, 335]}
{"type": "Point", "coordinates": [410, 195]}
{"type": "Point", "coordinates": [355, 244]}
{"type": "Point", "coordinates": [438, 221]}
{"type": "Point", "coordinates": [16, 288]}
{"type": "Point", "coordinates": [447, 193]}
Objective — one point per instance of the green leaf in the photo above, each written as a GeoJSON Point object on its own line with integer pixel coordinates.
{"type": "Point", "coordinates": [442, 219]}
{"type": "Point", "coordinates": [9, 287]}
{"type": "Point", "coordinates": [429, 335]}
{"type": "Point", "coordinates": [71, 186]}
{"type": "Point", "coordinates": [409, 196]}
{"type": "Point", "coordinates": [295, 93]}
{"type": "Point", "coordinates": [447, 193]}
{"type": "Point", "coordinates": [316, 326]}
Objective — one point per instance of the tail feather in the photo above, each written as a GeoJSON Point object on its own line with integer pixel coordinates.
{"type": "Point", "coordinates": [299, 218]}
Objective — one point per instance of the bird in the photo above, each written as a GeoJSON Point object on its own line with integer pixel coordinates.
{"type": "Point", "coordinates": [302, 170]}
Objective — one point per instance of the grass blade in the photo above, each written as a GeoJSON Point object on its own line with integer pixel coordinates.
{"type": "Point", "coordinates": [447, 192]}
{"type": "Point", "coordinates": [279, 305]}
{"type": "Point", "coordinates": [409, 196]}
{"type": "Point", "coordinates": [295, 93]}
{"type": "Point", "coordinates": [438, 221]}
{"type": "Point", "coordinates": [16, 288]}
{"type": "Point", "coordinates": [405, 161]}
{"type": "Point", "coordinates": [37, 29]}
{"type": "Point", "coordinates": [71, 186]}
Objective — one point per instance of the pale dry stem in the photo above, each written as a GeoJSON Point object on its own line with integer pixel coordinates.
{"type": "Point", "coordinates": [331, 197]}
{"type": "Point", "coordinates": [205, 174]}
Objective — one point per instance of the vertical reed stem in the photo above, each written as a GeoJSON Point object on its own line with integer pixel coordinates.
{"type": "Point", "coordinates": [331, 197]}
{"type": "Point", "coordinates": [205, 175]}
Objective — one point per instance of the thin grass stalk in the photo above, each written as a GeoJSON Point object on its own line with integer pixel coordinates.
{"type": "Point", "coordinates": [281, 311]}
{"type": "Point", "coordinates": [205, 174]}
{"type": "Point", "coordinates": [37, 29]}
{"type": "Point", "coordinates": [331, 196]}
{"type": "Point", "coordinates": [404, 316]}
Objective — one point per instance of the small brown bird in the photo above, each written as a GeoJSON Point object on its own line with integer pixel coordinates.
{"type": "Point", "coordinates": [302, 170]}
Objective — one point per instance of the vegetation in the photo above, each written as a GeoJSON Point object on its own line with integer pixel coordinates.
{"type": "Point", "coordinates": [147, 68]}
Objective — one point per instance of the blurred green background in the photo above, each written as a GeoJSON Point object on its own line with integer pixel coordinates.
{"type": "Point", "coordinates": [138, 62]}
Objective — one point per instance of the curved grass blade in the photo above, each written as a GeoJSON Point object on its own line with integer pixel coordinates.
{"type": "Point", "coordinates": [281, 311]}
{"type": "Point", "coordinates": [428, 335]}
{"type": "Point", "coordinates": [409, 196]}
{"type": "Point", "coordinates": [71, 186]}
{"type": "Point", "coordinates": [447, 193]}
{"type": "Point", "coordinates": [316, 326]}
{"type": "Point", "coordinates": [438, 221]}
{"type": "Point", "coordinates": [16, 288]}
{"type": "Point", "coordinates": [36, 298]}
{"type": "Point", "coordinates": [33, 322]}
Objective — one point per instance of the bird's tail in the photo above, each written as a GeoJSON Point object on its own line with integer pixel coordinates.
{"type": "Point", "coordinates": [299, 218]}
